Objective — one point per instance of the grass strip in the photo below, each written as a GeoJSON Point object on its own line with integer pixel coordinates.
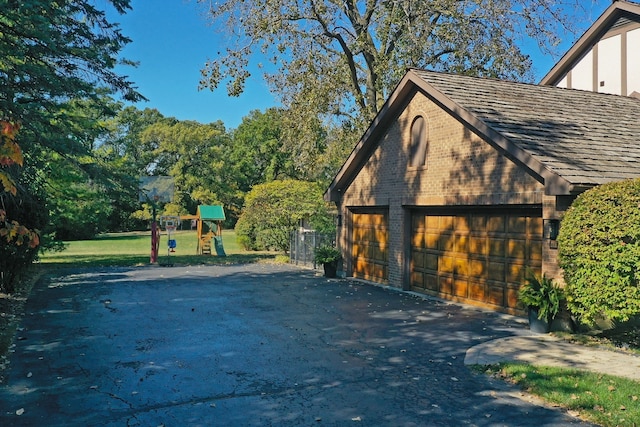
{"type": "Point", "coordinates": [134, 249]}
{"type": "Point", "coordinates": [603, 399]}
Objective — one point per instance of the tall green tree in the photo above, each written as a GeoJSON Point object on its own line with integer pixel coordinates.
{"type": "Point", "coordinates": [263, 148]}
{"type": "Point", "coordinates": [338, 61]}
{"type": "Point", "coordinates": [196, 156]}
{"type": "Point", "coordinates": [343, 57]}
{"type": "Point", "coordinates": [54, 51]}
{"type": "Point", "coordinates": [257, 154]}
{"type": "Point", "coordinates": [77, 183]}
{"type": "Point", "coordinates": [338, 146]}
{"type": "Point", "coordinates": [124, 141]}
{"type": "Point", "coordinates": [79, 207]}
{"type": "Point", "coordinates": [53, 56]}
{"type": "Point", "coordinates": [126, 157]}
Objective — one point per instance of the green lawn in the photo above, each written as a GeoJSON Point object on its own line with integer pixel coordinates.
{"type": "Point", "coordinates": [134, 248]}
{"type": "Point", "coordinates": [603, 399]}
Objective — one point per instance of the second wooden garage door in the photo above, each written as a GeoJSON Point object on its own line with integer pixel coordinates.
{"type": "Point", "coordinates": [476, 258]}
{"type": "Point", "coordinates": [370, 255]}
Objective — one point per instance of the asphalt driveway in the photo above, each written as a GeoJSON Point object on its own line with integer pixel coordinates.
{"type": "Point", "coordinates": [251, 345]}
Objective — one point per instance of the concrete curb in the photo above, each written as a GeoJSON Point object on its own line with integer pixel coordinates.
{"type": "Point", "coordinates": [547, 350]}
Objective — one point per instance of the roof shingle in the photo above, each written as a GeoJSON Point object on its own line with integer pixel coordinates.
{"type": "Point", "coordinates": [586, 138]}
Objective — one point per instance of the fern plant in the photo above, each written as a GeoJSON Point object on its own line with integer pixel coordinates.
{"type": "Point", "coordinates": [543, 295]}
{"type": "Point", "coordinates": [327, 255]}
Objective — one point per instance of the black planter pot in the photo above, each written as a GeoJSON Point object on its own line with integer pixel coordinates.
{"type": "Point", "coordinates": [330, 269]}
{"type": "Point", "coordinates": [540, 326]}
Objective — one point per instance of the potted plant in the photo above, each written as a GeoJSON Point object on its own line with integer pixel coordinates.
{"type": "Point", "coordinates": [328, 256]}
{"type": "Point", "coordinates": [543, 298]}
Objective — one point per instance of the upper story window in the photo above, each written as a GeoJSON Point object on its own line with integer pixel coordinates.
{"type": "Point", "coordinates": [419, 142]}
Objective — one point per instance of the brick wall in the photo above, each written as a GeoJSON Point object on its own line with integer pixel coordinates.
{"type": "Point", "coordinates": [553, 207]}
{"type": "Point", "coordinates": [461, 169]}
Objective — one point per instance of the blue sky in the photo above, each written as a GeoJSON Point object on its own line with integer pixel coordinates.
{"type": "Point", "coordinates": [172, 41]}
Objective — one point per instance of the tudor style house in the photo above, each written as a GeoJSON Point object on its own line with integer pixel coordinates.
{"type": "Point", "coordinates": [457, 187]}
{"type": "Point", "coordinates": [607, 57]}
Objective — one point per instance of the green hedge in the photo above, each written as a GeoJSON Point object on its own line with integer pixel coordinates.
{"type": "Point", "coordinates": [599, 250]}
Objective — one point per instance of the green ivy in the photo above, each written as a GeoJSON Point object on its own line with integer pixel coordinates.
{"type": "Point", "coordinates": [599, 250]}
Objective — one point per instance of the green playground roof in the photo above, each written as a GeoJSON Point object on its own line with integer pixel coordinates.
{"type": "Point", "coordinates": [211, 213]}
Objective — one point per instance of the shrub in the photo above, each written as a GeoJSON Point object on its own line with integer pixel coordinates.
{"type": "Point", "coordinates": [246, 235]}
{"type": "Point", "coordinates": [15, 259]}
{"type": "Point", "coordinates": [274, 209]}
{"type": "Point", "coordinates": [599, 250]}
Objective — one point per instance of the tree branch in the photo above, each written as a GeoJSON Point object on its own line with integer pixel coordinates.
{"type": "Point", "coordinates": [351, 63]}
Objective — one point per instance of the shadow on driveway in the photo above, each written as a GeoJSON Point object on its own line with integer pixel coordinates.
{"type": "Point", "coordinates": [251, 345]}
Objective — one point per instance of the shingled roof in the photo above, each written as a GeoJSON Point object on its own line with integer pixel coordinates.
{"type": "Point", "coordinates": [569, 139]}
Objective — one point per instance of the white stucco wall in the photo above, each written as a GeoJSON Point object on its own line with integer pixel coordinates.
{"type": "Point", "coordinates": [582, 73]}
{"type": "Point", "coordinates": [562, 83]}
{"type": "Point", "coordinates": [633, 61]}
{"type": "Point", "coordinates": [610, 65]}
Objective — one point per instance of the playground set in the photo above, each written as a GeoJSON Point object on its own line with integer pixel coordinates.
{"type": "Point", "coordinates": [160, 189]}
{"type": "Point", "coordinates": [209, 228]}
{"type": "Point", "coordinates": [170, 224]}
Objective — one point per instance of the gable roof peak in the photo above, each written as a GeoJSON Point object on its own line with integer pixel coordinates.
{"type": "Point", "coordinates": [617, 10]}
{"type": "Point", "coordinates": [569, 139]}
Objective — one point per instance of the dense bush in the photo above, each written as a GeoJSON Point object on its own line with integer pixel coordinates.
{"type": "Point", "coordinates": [274, 209]}
{"type": "Point", "coordinates": [246, 234]}
{"type": "Point", "coordinates": [599, 250]}
{"type": "Point", "coordinates": [15, 258]}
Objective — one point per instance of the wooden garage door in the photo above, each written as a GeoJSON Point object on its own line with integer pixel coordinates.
{"type": "Point", "coordinates": [476, 258]}
{"type": "Point", "coordinates": [370, 257]}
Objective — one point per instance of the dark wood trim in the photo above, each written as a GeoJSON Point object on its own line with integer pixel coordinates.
{"type": "Point", "coordinates": [623, 65]}
{"type": "Point", "coordinates": [534, 210]}
{"type": "Point", "coordinates": [595, 77]}
{"type": "Point", "coordinates": [407, 217]}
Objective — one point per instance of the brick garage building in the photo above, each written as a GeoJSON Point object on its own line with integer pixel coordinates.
{"type": "Point", "coordinates": [457, 187]}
